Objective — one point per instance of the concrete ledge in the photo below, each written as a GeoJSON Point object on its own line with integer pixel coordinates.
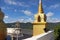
{"type": "Point", "coordinates": [45, 36]}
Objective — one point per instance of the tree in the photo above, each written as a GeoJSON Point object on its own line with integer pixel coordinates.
{"type": "Point", "coordinates": [57, 32]}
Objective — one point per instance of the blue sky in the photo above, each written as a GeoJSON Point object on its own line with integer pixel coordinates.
{"type": "Point", "coordinates": [24, 10]}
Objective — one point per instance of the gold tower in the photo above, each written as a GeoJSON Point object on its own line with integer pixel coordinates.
{"type": "Point", "coordinates": [39, 23]}
{"type": "Point", "coordinates": [3, 30]}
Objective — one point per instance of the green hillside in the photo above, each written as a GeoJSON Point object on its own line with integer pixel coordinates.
{"type": "Point", "coordinates": [28, 25]}
{"type": "Point", "coordinates": [22, 25]}
{"type": "Point", "coordinates": [57, 32]}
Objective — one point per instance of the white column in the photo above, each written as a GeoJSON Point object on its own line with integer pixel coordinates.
{"type": "Point", "coordinates": [11, 37]}
{"type": "Point", "coordinates": [17, 36]}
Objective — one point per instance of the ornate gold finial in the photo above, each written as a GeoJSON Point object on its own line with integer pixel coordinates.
{"type": "Point", "coordinates": [40, 8]}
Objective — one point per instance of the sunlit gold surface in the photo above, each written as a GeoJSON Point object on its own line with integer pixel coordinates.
{"type": "Point", "coordinates": [39, 26]}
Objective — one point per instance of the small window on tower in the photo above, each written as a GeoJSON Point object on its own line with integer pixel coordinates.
{"type": "Point", "coordinates": [39, 19]}
{"type": "Point", "coordinates": [45, 18]}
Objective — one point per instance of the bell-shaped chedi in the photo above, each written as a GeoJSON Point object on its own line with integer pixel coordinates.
{"type": "Point", "coordinates": [3, 31]}
{"type": "Point", "coordinates": [39, 24]}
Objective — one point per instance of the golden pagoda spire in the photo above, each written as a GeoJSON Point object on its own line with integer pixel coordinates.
{"type": "Point", "coordinates": [40, 8]}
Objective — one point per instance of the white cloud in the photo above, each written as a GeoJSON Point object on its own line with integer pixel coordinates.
{"type": "Point", "coordinates": [50, 17]}
{"type": "Point", "coordinates": [23, 4]}
{"type": "Point", "coordinates": [2, 7]}
{"type": "Point", "coordinates": [49, 14]}
{"type": "Point", "coordinates": [29, 13]}
{"type": "Point", "coordinates": [12, 2]}
{"type": "Point", "coordinates": [53, 20]}
{"type": "Point", "coordinates": [15, 10]}
{"type": "Point", "coordinates": [55, 6]}
{"type": "Point", "coordinates": [29, 20]}
{"type": "Point", "coordinates": [21, 20]}
{"type": "Point", "coordinates": [25, 20]}
{"type": "Point", "coordinates": [6, 17]}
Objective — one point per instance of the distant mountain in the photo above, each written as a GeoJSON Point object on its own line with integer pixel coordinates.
{"type": "Point", "coordinates": [22, 25]}
{"type": "Point", "coordinates": [30, 25]}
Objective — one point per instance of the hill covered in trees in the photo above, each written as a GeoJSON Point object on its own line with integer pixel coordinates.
{"type": "Point", "coordinates": [57, 32]}
{"type": "Point", "coordinates": [28, 25]}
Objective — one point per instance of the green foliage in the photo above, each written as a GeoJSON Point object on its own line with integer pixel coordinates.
{"type": "Point", "coordinates": [57, 32]}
